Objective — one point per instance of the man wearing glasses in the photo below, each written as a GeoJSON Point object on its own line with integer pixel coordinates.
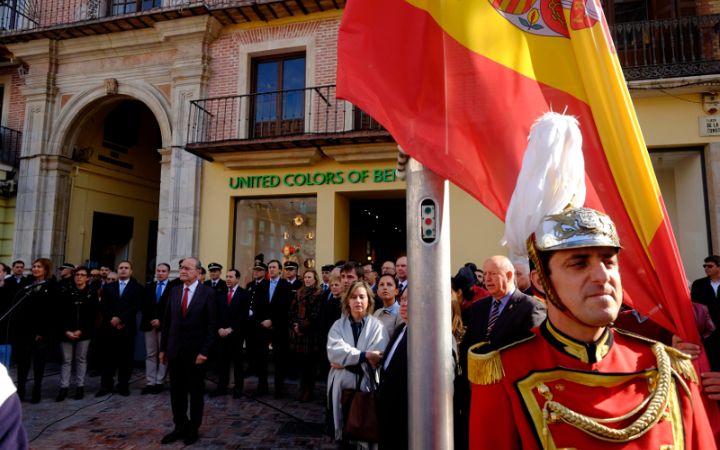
{"type": "Point", "coordinates": [705, 292]}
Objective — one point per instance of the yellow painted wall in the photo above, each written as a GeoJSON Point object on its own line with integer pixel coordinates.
{"type": "Point", "coordinates": [7, 228]}
{"type": "Point", "coordinates": [125, 183]}
{"type": "Point", "coordinates": [671, 120]}
{"type": "Point", "coordinates": [475, 231]}
{"type": "Point", "coordinates": [103, 190]}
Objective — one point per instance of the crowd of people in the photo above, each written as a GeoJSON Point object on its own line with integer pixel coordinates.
{"type": "Point", "coordinates": [92, 317]}
{"type": "Point", "coordinates": [347, 323]}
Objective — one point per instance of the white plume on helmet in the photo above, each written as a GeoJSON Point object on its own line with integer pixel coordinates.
{"type": "Point", "coordinates": [551, 179]}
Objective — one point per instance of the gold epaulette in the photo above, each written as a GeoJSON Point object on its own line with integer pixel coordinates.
{"type": "Point", "coordinates": [486, 367]}
{"type": "Point", "coordinates": [680, 362]}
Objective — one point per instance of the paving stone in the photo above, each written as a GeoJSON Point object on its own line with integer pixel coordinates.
{"type": "Point", "coordinates": [140, 421]}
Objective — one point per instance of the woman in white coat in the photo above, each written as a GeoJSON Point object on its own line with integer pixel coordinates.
{"type": "Point", "coordinates": [355, 347]}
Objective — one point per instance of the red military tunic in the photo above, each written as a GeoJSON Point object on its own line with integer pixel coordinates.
{"type": "Point", "coordinates": [610, 378]}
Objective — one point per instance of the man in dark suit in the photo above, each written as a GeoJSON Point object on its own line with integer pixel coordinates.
{"type": "Point", "coordinates": [120, 302]}
{"type": "Point", "coordinates": [705, 291]}
{"type": "Point", "coordinates": [188, 333]}
{"type": "Point", "coordinates": [507, 315]}
{"type": "Point", "coordinates": [215, 281]}
{"type": "Point", "coordinates": [153, 310]}
{"type": "Point", "coordinates": [393, 388]}
{"type": "Point", "coordinates": [401, 273]}
{"type": "Point", "coordinates": [276, 301]}
{"type": "Point", "coordinates": [233, 314]}
{"type": "Point", "coordinates": [17, 279]}
{"type": "Point", "coordinates": [325, 285]}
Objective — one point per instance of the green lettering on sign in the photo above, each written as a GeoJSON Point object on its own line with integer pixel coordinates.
{"type": "Point", "coordinates": [360, 176]}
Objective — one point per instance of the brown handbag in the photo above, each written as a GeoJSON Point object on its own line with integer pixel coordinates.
{"type": "Point", "coordinates": [360, 421]}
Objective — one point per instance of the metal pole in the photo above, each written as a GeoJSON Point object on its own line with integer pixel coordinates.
{"type": "Point", "coordinates": [430, 362]}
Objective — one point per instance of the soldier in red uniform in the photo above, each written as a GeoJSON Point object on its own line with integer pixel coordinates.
{"type": "Point", "coordinates": [576, 382]}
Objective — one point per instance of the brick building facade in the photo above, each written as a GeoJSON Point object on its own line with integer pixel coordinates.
{"type": "Point", "coordinates": [117, 99]}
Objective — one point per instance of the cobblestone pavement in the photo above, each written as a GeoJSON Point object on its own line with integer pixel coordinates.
{"type": "Point", "coordinates": [140, 421]}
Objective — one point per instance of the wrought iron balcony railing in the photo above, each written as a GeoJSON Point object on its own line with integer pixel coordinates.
{"type": "Point", "coordinates": [10, 142]}
{"type": "Point", "coordinates": [41, 17]}
{"type": "Point", "coordinates": [23, 15]}
{"type": "Point", "coordinates": [18, 15]}
{"type": "Point", "coordinates": [307, 112]}
{"type": "Point", "coordinates": [666, 48]}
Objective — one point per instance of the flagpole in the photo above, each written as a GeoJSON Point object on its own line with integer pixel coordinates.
{"type": "Point", "coordinates": [430, 362]}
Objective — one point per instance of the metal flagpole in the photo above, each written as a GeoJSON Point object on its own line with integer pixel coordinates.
{"type": "Point", "coordinates": [430, 362]}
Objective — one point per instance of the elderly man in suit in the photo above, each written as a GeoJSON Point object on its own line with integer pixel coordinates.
{"type": "Point", "coordinates": [188, 333]}
{"type": "Point", "coordinates": [507, 314]}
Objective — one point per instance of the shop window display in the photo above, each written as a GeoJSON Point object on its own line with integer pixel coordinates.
{"type": "Point", "coordinates": [279, 228]}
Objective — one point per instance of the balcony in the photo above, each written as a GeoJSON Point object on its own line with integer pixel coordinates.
{"type": "Point", "coordinates": [296, 118]}
{"type": "Point", "coordinates": [25, 20]}
{"type": "Point", "coordinates": [10, 142]}
{"type": "Point", "coordinates": [685, 46]}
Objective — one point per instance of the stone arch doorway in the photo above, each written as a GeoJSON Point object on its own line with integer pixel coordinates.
{"type": "Point", "coordinates": [113, 145]}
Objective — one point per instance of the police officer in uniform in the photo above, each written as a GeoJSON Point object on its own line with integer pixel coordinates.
{"type": "Point", "coordinates": [215, 281]}
{"type": "Point", "coordinates": [290, 274]}
{"type": "Point", "coordinates": [259, 274]}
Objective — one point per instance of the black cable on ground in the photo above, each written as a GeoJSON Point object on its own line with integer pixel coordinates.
{"type": "Point", "coordinates": [309, 425]}
{"type": "Point", "coordinates": [77, 411]}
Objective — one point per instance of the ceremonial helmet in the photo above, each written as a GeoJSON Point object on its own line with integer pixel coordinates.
{"type": "Point", "coordinates": [546, 211]}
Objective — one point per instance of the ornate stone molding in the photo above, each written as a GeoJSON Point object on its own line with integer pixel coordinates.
{"type": "Point", "coordinates": [269, 158]}
{"type": "Point", "coordinates": [362, 153]}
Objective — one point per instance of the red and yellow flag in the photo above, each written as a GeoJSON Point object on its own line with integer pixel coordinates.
{"type": "Point", "coordinates": [459, 83]}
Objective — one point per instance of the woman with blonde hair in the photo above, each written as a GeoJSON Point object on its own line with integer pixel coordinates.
{"type": "Point", "coordinates": [355, 346]}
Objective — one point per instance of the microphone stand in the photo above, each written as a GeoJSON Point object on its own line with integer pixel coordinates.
{"type": "Point", "coordinates": [28, 290]}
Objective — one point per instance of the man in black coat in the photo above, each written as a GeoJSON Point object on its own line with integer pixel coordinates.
{"type": "Point", "coordinates": [119, 306]}
{"type": "Point", "coordinates": [17, 279]}
{"type": "Point", "coordinates": [393, 388]}
{"type": "Point", "coordinates": [188, 334]}
{"type": "Point", "coordinates": [705, 291]}
{"type": "Point", "coordinates": [153, 311]}
{"type": "Point", "coordinates": [233, 315]}
{"type": "Point", "coordinates": [273, 302]}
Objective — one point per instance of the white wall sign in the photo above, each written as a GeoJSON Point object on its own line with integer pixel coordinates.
{"type": "Point", "coordinates": [710, 126]}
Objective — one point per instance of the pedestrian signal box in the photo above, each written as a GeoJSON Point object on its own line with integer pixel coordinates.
{"type": "Point", "coordinates": [428, 221]}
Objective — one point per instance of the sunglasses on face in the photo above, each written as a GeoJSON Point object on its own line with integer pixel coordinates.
{"type": "Point", "coordinates": [708, 266]}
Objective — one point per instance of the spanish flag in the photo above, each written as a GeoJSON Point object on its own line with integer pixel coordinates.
{"type": "Point", "coordinates": [458, 84]}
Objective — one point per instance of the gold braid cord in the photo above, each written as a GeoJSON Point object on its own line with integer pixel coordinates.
{"type": "Point", "coordinates": [554, 411]}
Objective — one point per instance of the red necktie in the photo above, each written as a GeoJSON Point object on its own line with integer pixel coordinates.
{"type": "Point", "coordinates": [230, 294]}
{"type": "Point", "coordinates": [184, 305]}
